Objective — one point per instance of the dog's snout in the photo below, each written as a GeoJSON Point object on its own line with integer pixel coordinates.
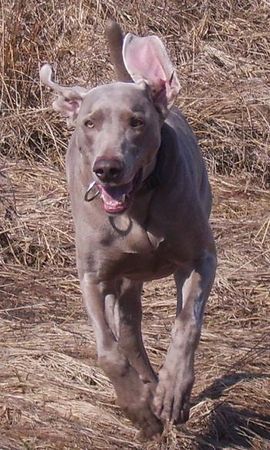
{"type": "Point", "coordinates": [108, 170]}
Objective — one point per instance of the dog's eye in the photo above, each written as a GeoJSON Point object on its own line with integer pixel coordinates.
{"type": "Point", "coordinates": [89, 123]}
{"type": "Point", "coordinates": [136, 122]}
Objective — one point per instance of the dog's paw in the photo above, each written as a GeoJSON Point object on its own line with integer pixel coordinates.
{"type": "Point", "coordinates": [135, 397]}
{"type": "Point", "coordinates": [171, 399]}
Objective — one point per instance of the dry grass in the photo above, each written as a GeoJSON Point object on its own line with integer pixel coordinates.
{"type": "Point", "coordinates": [53, 395]}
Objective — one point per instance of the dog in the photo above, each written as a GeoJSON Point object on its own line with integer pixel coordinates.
{"type": "Point", "coordinates": [141, 202]}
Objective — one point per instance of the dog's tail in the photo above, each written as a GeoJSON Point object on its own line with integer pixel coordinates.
{"type": "Point", "coordinates": [115, 39]}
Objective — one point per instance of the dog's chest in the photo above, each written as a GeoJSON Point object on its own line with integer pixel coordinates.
{"type": "Point", "coordinates": [136, 253]}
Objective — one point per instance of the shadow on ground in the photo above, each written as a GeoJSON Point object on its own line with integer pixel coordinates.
{"type": "Point", "coordinates": [226, 381]}
{"type": "Point", "coordinates": [231, 427]}
{"type": "Point", "coordinates": [234, 428]}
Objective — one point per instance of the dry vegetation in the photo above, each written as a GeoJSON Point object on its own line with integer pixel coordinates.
{"type": "Point", "coordinates": [52, 394]}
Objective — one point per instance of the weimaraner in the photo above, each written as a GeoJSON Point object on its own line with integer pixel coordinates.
{"type": "Point", "coordinates": [141, 201]}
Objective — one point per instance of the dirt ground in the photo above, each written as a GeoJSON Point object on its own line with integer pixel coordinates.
{"type": "Point", "coordinates": [52, 393]}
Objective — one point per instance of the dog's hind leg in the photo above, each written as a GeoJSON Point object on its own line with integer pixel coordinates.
{"type": "Point", "coordinates": [135, 391]}
{"type": "Point", "coordinates": [130, 336]}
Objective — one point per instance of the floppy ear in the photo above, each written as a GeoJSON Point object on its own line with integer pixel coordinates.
{"type": "Point", "coordinates": [69, 99]}
{"type": "Point", "coordinates": [146, 60]}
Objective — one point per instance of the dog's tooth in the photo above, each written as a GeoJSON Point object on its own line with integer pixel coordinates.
{"type": "Point", "coordinates": [123, 198]}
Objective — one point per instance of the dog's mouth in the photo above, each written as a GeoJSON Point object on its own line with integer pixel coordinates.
{"type": "Point", "coordinates": [117, 199]}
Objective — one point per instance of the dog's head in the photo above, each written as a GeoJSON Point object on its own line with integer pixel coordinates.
{"type": "Point", "coordinates": [118, 126]}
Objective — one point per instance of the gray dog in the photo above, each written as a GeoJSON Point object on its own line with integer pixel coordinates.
{"type": "Point", "coordinates": [141, 202]}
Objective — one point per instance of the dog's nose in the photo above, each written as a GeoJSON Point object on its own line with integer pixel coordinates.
{"type": "Point", "coordinates": [108, 170]}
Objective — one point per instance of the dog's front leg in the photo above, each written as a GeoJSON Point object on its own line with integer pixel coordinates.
{"type": "Point", "coordinates": [115, 312]}
{"type": "Point", "coordinates": [176, 377]}
{"type": "Point", "coordinates": [105, 326]}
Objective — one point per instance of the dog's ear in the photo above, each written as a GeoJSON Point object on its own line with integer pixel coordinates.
{"type": "Point", "coordinates": [68, 100]}
{"type": "Point", "coordinates": [146, 60]}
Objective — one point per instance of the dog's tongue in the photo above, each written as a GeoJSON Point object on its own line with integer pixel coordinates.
{"type": "Point", "coordinates": [115, 198]}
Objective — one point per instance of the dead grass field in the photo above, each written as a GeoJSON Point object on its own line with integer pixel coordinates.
{"type": "Point", "coordinates": [52, 394]}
